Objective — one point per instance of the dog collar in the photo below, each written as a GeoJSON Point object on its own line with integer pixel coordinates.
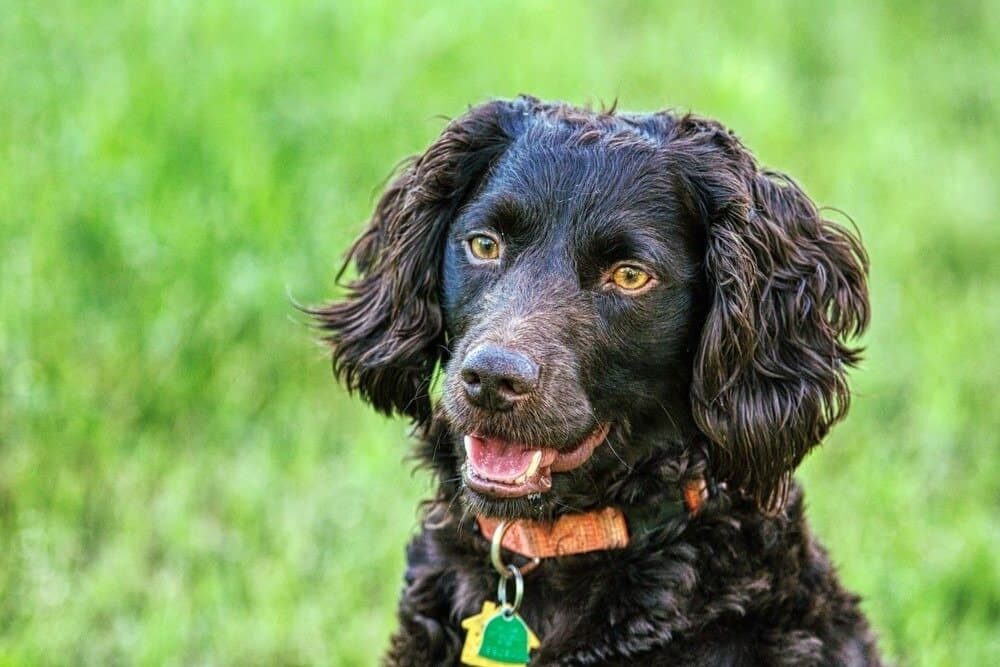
{"type": "Point", "coordinates": [600, 530]}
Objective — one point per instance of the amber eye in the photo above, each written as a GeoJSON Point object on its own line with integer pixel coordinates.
{"type": "Point", "coordinates": [483, 247]}
{"type": "Point", "coordinates": [630, 278]}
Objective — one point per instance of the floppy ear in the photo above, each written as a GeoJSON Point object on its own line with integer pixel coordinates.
{"type": "Point", "coordinates": [387, 334]}
{"type": "Point", "coordinates": [787, 289]}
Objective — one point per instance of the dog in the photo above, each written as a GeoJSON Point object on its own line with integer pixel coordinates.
{"type": "Point", "coordinates": [617, 336]}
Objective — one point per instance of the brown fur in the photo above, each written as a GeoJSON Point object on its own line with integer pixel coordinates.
{"type": "Point", "coordinates": [732, 366]}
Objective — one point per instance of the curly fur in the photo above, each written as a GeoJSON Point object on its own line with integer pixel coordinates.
{"type": "Point", "coordinates": [733, 369]}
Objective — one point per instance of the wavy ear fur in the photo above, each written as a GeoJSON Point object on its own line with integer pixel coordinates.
{"type": "Point", "coordinates": [787, 288]}
{"type": "Point", "coordinates": [387, 334]}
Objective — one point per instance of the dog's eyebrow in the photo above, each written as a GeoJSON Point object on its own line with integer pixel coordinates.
{"type": "Point", "coordinates": [506, 208]}
{"type": "Point", "coordinates": [502, 212]}
{"type": "Point", "coordinates": [643, 239]}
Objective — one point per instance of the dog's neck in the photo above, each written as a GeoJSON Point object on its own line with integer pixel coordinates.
{"type": "Point", "coordinates": [604, 529]}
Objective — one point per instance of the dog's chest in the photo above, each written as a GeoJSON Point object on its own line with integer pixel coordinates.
{"type": "Point", "coordinates": [581, 608]}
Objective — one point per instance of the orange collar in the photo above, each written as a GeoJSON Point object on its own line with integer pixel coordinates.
{"type": "Point", "coordinates": [570, 534]}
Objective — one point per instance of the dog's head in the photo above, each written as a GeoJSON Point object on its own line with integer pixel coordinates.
{"type": "Point", "coordinates": [596, 287]}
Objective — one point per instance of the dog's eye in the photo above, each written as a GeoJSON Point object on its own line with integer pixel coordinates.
{"type": "Point", "coordinates": [483, 247]}
{"type": "Point", "coordinates": [630, 278]}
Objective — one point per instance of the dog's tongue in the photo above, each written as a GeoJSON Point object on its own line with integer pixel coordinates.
{"type": "Point", "coordinates": [499, 460]}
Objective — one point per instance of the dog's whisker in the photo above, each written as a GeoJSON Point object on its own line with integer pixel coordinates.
{"type": "Point", "coordinates": [618, 456]}
{"type": "Point", "coordinates": [566, 506]}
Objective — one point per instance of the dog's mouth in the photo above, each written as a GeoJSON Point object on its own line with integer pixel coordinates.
{"type": "Point", "coordinates": [505, 469]}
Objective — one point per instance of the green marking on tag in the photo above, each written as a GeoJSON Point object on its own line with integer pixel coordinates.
{"type": "Point", "coordinates": [505, 639]}
{"type": "Point", "coordinates": [475, 628]}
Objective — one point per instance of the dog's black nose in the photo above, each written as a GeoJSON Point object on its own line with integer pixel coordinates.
{"type": "Point", "coordinates": [495, 378]}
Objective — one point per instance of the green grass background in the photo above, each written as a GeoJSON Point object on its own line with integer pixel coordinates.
{"type": "Point", "coordinates": [180, 480]}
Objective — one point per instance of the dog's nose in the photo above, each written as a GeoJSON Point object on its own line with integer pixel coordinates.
{"type": "Point", "coordinates": [495, 378]}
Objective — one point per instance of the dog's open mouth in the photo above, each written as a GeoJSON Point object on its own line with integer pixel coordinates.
{"type": "Point", "coordinates": [506, 469]}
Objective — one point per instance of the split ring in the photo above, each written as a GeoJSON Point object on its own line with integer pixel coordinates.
{"type": "Point", "coordinates": [513, 572]}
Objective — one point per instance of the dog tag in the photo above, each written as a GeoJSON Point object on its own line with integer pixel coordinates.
{"type": "Point", "coordinates": [497, 637]}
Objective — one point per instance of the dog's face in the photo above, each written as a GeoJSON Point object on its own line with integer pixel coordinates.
{"type": "Point", "coordinates": [570, 285]}
{"type": "Point", "coordinates": [596, 287]}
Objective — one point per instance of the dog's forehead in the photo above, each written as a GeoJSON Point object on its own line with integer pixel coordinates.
{"type": "Point", "coordinates": [558, 183]}
{"type": "Point", "coordinates": [559, 172]}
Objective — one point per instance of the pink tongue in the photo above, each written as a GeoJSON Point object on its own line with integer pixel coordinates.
{"type": "Point", "coordinates": [496, 459]}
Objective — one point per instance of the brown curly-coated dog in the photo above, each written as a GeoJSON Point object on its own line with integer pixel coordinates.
{"type": "Point", "coordinates": [629, 316]}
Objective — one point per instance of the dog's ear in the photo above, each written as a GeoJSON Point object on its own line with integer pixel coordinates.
{"type": "Point", "coordinates": [387, 333]}
{"type": "Point", "coordinates": [787, 288]}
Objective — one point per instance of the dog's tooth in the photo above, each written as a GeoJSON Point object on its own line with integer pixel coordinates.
{"type": "Point", "coordinates": [468, 444]}
{"type": "Point", "coordinates": [535, 461]}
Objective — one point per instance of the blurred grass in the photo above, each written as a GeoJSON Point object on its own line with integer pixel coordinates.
{"type": "Point", "coordinates": [180, 480]}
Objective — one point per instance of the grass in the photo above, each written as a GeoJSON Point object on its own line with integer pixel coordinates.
{"type": "Point", "coordinates": [180, 480]}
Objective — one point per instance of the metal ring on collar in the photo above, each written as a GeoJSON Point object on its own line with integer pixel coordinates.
{"type": "Point", "coordinates": [510, 610]}
{"type": "Point", "coordinates": [498, 534]}
{"type": "Point", "coordinates": [495, 558]}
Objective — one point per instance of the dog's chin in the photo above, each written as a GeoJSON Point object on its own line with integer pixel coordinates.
{"type": "Point", "coordinates": [509, 479]}
{"type": "Point", "coordinates": [537, 506]}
